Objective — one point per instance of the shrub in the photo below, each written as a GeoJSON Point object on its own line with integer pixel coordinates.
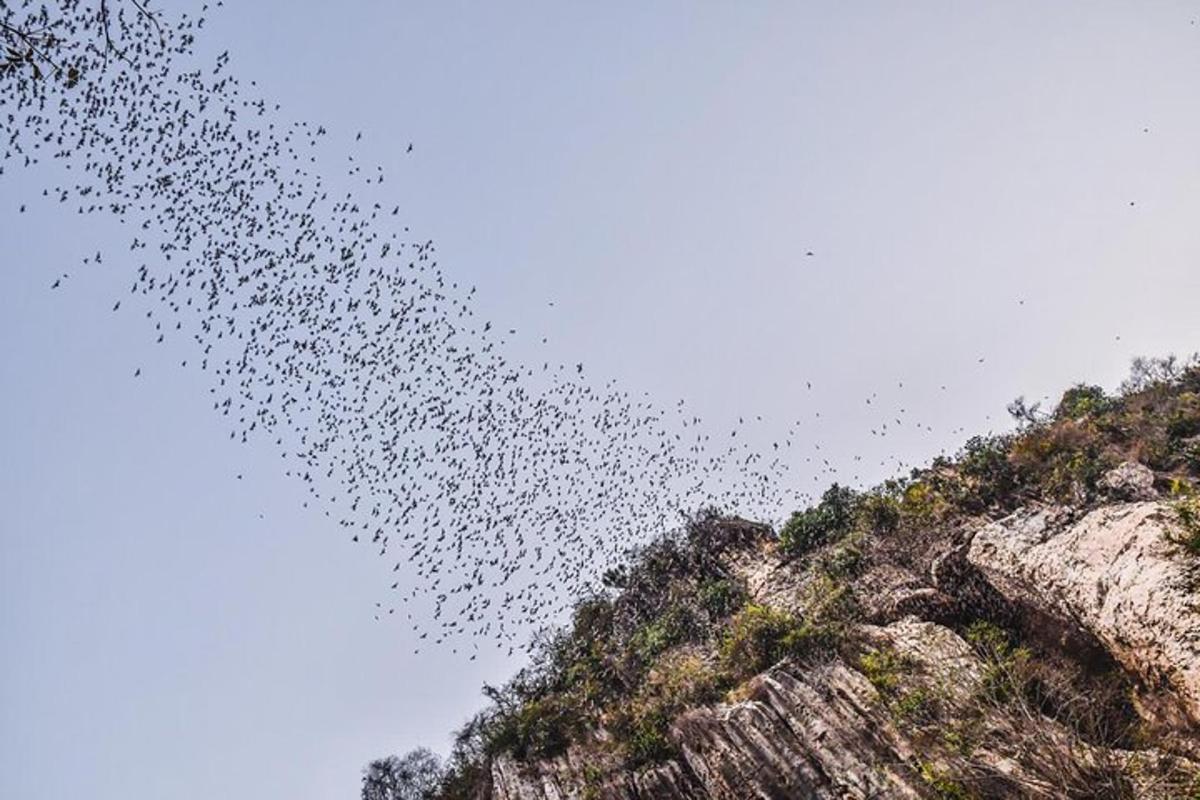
{"type": "Point", "coordinates": [830, 605]}
{"type": "Point", "coordinates": [1080, 401]}
{"type": "Point", "coordinates": [414, 776]}
{"type": "Point", "coordinates": [1075, 475]}
{"type": "Point", "coordinates": [759, 636]}
{"type": "Point", "coordinates": [880, 512]}
{"type": "Point", "coordinates": [1191, 456]}
{"type": "Point", "coordinates": [1149, 373]}
{"type": "Point", "coordinates": [540, 728]}
{"type": "Point", "coordinates": [1184, 424]}
{"type": "Point", "coordinates": [991, 477]}
{"type": "Point", "coordinates": [922, 503]}
{"type": "Point", "coordinates": [844, 561]}
{"type": "Point", "coordinates": [648, 743]}
{"type": "Point", "coordinates": [989, 639]}
{"type": "Point", "coordinates": [1187, 513]}
{"type": "Point", "coordinates": [593, 778]}
{"type": "Point", "coordinates": [1183, 431]}
{"type": "Point", "coordinates": [1025, 415]}
{"type": "Point", "coordinates": [720, 597]}
{"type": "Point", "coordinates": [592, 618]}
{"type": "Point", "coordinates": [680, 680]}
{"type": "Point", "coordinates": [592, 676]}
{"type": "Point", "coordinates": [916, 706]}
{"type": "Point", "coordinates": [1007, 673]}
{"type": "Point", "coordinates": [674, 626]}
{"type": "Point", "coordinates": [942, 785]}
{"type": "Point", "coordinates": [882, 668]}
{"type": "Point", "coordinates": [828, 520]}
{"type": "Point", "coordinates": [683, 678]}
{"type": "Point", "coordinates": [1063, 461]}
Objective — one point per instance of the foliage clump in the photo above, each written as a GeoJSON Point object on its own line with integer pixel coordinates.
{"type": "Point", "coordinates": [886, 670]}
{"type": "Point", "coordinates": [759, 636]}
{"type": "Point", "coordinates": [1187, 512]}
{"type": "Point", "coordinates": [829, 520]}
{"type": "Point", "coordinates": [416, 775]}
{"type": "Point", "coordinates": [1081, 400]}
{"type": "Point", "coordinates": [1057, 457]}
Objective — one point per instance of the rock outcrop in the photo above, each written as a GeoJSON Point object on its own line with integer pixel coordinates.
{"type": "Point", "coordinates": [1129, 481]}
{"type": "Point", "coordinates": [584, 773]}
{"type": "Point", "coordinates": [838, 729]}
{"type": "Point", "coordinates": [1019, 621]}
{"type": "Point", "coordinates": [1113, 573]}
{"type": "Point", "coordinates": [917, 703]}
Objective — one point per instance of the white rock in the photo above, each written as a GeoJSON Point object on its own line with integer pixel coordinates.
{"type": "Point", "coordinates": [1129, 481]}
{"type": "Point", "coordinates": [1113, 573]}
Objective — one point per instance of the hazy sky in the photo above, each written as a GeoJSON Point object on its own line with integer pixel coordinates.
{"type": "Point", "coordinates": [658, 171]}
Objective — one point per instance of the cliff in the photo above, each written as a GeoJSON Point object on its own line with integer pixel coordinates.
{"type": "Point", "coordinates": [1020, 621]}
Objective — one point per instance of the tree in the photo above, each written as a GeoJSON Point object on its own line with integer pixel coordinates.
{"type": "Point", "coordinates": [41, 43]}
{"type": "Point", "coordinates": [415, 775]}
{"type": "Point", "coordinates": [813, 527]}
{"type": "Point", "coordinates": [1079, 401]}
{"type": "Point", "coordinates": [1025, 414]}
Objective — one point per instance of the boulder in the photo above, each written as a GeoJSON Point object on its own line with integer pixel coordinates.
{"type": "Point", "coordinates": [1129, 481]}
{"type": "Point", "coordinates": [1115, 574]}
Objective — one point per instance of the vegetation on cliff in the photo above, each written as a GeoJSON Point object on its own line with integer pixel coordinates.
{"type": "Point", "coordinates": [677, 628]}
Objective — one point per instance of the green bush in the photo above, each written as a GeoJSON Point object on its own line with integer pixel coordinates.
{"type": "Point", "coordinates": [592, 677]}
{"type": "Point", "coordinates": [844, 561]}
{"type": "Point", "coordinates": [1062, 461]}
{"type": "Point", "coordinates": [1007, 673]}
{"type": "Point", "coordinates": [540, 728]}
{"type": "Point", "coordinates": [882, 668]}
{"type": "Point", "coordinates": [1184, 421]}
{"type": "Point", "coordinates": [1187, 512]}
{"type": "Point", "coordinates": [1191, 457]}
{"type": "Point", "coordinates": [647, 742]}
{"type": "Point", "coordinates": [914, 706]}
{"type": "Point", "coordinates": [1080, 401]}
{"type": "Point", "coordinates": [880, 512]}
{"type": "Point", "coordinates": [680, 680]}
{"type": "Point", "coordinates": [830, 519]}
{"type": "Point", "coordinates": [989, 639]}
{"type": "Point", "coordinates": [676, 625]}
{"type": "Point", "coordinates": [760, 636]}
{"type": "Point", "coordinates": [720, 597]}
{"type": "Point", "coordinates": [942, 785]}
{"type": "Point", "coordinates": [922, 503]}
{"type": "Point", "coordinates": [992, 479]}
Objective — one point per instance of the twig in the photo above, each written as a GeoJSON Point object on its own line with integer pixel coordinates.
{"type": "Point", "coordinates": [30, 42]}
{"type": "Point", "coordinates": [108, 41]}
{"type": "Point", "coordinates": [153, 19]}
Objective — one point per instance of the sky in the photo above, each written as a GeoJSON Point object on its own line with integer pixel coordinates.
{"type": "Point", "coordinates": [1013, 182]}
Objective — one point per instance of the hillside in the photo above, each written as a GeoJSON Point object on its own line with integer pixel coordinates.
{"type": "Point", "coordinates": [1020, 621]}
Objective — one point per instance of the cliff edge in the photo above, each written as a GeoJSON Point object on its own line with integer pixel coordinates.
{"type": "Point", "coordinates": [1021, 621]}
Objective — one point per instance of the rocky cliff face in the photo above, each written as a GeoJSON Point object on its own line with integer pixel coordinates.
{"type": "Point", "coordinates": [1113, 574]}
{"type": "Point", "coordinates": [1103, 700]}
{"type": "Point", "coordinates": [1019, 621]}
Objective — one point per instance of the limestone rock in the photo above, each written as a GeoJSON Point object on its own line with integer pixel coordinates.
{"type": "Point", "coordinates": [823, 731]}
{"type": "Point", "coordinates": [833, 728]}
{"type": "Point", "coordinates": [889, 593]}
{"type": "Point", "coordinates": [1129, 481]}
{"type": "Point", "coordinates": [589, 773]}
{"type": "Point", "coordinates": [1113, 573]}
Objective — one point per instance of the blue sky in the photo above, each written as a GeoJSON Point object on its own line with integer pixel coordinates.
{"type": "Point", "coordinates": [963, 174]}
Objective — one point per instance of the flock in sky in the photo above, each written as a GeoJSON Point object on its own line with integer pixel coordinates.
{"type": "Point", "coordinates": [497, 490]}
